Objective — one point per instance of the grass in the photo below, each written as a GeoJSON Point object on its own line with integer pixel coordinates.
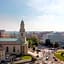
{"type": "Point", "coordinates": [26, 58]}
{"type": "Point", "coordinates": [58, 55]}
{"type": "Point", "coordinates": [60, 51]}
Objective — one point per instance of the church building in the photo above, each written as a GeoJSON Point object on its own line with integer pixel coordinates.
{"type": "Point", "coordinates": [17, 45]}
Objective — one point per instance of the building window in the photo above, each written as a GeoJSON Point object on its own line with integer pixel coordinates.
{"type": "Point", "coordinates": [13, 49]}
{"type": "Point", "coordinates": [21, 34]}
{"type": "Point", "coordinates": [7, 49]}
{"type": "Point", "coordinates": [23, 49]}
{"type": "Point", "coordinates": [17, 50]}
{"type": "Point", "coordinates": [0, 34]}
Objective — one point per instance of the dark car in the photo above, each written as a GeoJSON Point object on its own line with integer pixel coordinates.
{"type": "Point", "coordinates": [8, 60]}
{"type": "Point", "coordinates": [47, 58]}
{"type": "Point", "coordinates": [55, 59]}
{"type": "Point", "coordinates": [3, 62]}
{"type": "Point", "coordinates": [37, 56]}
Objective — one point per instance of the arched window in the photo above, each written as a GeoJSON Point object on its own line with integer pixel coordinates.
{"type": "Point", "coordinates": [21, 34]}
{"type": "Point", "coordinates": [0, 34]}
{"type": "Point", "coordinates": [7, 49]}
{"type": "Point", "coordinates": [13, 49]}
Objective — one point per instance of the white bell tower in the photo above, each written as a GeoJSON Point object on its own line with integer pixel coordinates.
{"type": "Point", "coordinates": [24, 45]}
{"type": "Point", "coordinates": [22, 32]}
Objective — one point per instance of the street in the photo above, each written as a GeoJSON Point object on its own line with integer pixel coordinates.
{"type": "Point", "coordinates": [47, 57]}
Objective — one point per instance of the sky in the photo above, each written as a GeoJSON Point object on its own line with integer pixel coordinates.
{"type": "Point", "coordinates": [38, 15]}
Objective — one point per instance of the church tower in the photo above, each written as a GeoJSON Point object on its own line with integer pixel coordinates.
{"type": "Point", "coordinates": [24, 45]}
{"type": "Point", "coordinates": [22, 32]}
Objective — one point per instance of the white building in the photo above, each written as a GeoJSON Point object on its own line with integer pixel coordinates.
{"type": "Point", "coordinates": [55, 37]}
{"type": "Point", "coordinates": [17, 45]}
{"type": "Point", "coordinates": [2, 53]}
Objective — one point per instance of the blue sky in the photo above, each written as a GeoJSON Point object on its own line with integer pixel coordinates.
{"type": "Point", "coordinates": [39, 15]}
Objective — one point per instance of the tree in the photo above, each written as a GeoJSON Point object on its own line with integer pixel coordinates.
{"type": "Point", "coordinates": [63, 47]}
{"type": "Point", "coordinates": [33, 41]}
{"type": "Point", "coordinates": [47, 42]}
{"type": "Point", "coordinates": [56, 44]}
{"type": "Point", "coordinates": [29, 42]}
{"type": "Point", "coordinates": [62, 54]}
{"type": "Point", "coordinates": [51, 44]}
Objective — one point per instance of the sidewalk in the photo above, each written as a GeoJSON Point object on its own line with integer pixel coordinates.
{"type": "Point", "coordinates": [32, 53]}
{"type": "Point", "coordinates": [21, 61]}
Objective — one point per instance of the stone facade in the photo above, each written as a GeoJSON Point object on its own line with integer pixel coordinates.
{"type": "Point", "coordinates": [2, 53]}
{"type": "Point", "coordinates": [12, 49]}
{"type": "Point", "coordinates": [23, 38]}
{"type": "Point", "coordinates": [15, 45]}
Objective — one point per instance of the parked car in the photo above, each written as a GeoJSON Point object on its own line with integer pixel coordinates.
{"type": "Point", "coordinates": [3, 62]}
{"type": "Point", "coordinates": [16, 59]}
{"type": "Point", "coordinates": [8, 60]}
{"type": "Point", "coordinates": [55, 59]}
{"type": "Point", "coordinates": [52, 49]}
{"type": "Point", "coordinates": [47, 58]}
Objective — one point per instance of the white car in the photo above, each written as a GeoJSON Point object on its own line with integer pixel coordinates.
{"type": "Point", "coordinates": [47, 58]}
{"type": "Point", "coordinates": [16, 59]}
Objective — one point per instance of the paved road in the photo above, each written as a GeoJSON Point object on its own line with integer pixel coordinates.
{"type": "Point", "coordinates": [51, 60]}
{"type": "Point", "coordinates": [42, 57]}
{"type": "Point", "coordinates": [46, 53]}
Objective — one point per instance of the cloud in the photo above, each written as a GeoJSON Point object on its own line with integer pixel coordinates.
{"type": "Point", "coordinates": [33, 23]}
{"type": "Point", "coordinates": [8, 22]}
{"type": "Point", "coordinates": [51, 16]}
{"type": "Point", "coordinates": [45, 23]}
{"type": "Point", "coordinates": [47, 6]}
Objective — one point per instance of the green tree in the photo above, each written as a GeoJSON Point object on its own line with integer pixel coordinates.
{"type": "Point", "coordinates": [47, 42]}
{"type": "Point", "coordinates": [35, 41]}
{"type": "Point", "coordinates": [29, 42]}
{"type": "Point", "coordinates": [56, 44]}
